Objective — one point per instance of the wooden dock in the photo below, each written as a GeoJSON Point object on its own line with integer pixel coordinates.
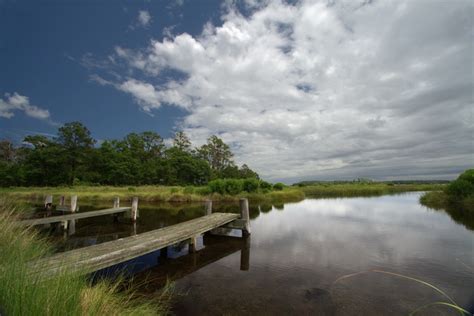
{"type": "Point", "coordinates": [74, 216]}
{"type": "Point", "coordinates": [93, 258]}
{"type": "Point", "coordinates": [116, 209]}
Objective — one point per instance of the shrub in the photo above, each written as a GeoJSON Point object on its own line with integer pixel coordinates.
{"type": "Point", "coordinates": [264, 185]}
{"type": "Point", "coordinates": [233, 186]}
{"type": "Point", "coordinates": [278, 186]}
{"type": "Point", "coordinates": [468, 176]}
{"type": "Point", "coordinates": [460, 188]}
{"type": "Point", "coordinates": [251, 185]}
{"type": "Point", "coordinates": [217, 186]}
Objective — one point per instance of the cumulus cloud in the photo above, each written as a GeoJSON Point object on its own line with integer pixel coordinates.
{"type": "Point", "coordinates": [16, 102]}
{"type": "Point", "coordinates": [318, 89]}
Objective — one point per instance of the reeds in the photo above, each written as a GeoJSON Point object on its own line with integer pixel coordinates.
{"type": "Point", "coordinates": [26, 293]}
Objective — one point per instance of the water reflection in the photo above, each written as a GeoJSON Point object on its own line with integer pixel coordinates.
{"type": "Point", "coordinates": [307, 258]}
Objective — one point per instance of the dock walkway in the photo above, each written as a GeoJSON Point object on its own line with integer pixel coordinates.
{"type": "Point", "coordinates": [74, 216]}
{"type": "Point", "coordinates": [93, 258]}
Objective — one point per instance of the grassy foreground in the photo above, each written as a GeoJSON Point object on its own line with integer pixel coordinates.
{"type": "Point", "coordinates": [23, 293]}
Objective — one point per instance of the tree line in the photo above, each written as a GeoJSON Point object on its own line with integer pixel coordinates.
{"type": "Point", "coordinates": [74, 157]}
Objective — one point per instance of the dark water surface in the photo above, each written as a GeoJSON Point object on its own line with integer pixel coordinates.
{"type": "Point", "coordinates": [314, 257]}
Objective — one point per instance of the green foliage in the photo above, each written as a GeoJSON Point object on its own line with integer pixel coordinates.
{"type": "Point", "coordinates": [24, 293]}
{"type": "Point", "coordinates": [217, 186]}
{"type": "Point", "coordinates": [460, 188]}
{"type": "Point", "coordinates": [188, 190]}
{"type": "Point", "coordinates": [265, 185]}
{"type": "Point", "coordinates": [278, 186]}
{"type": "Point", "coordinates": [233, 186]}
{"type": "Point", "coordinates": [251, 185]}
{"type": "Point", "coordinates": [467, 175]}
{"type": "Point", "coordinates": [463, 186]}
{"type": "Point", "coordinates": [138, 159]}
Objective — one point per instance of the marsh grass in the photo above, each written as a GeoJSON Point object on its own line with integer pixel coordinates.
{"type": "Point", "coordinates": [451, 303]}
{"type": "Point", "coordinates": [364, 189]}
{"type": "Point", "coordinates": [26, 293]}
{"type": "Point", "coordinates": [147, 193]}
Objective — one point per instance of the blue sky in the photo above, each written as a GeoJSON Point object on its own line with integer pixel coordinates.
{"type": "Point", "coordinates": [309, 89]}
{"type": "Point", "coordinates": [43, 45]}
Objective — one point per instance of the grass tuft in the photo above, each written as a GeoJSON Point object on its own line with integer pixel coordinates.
{"type": "Point", "coordinates": [26, 293]}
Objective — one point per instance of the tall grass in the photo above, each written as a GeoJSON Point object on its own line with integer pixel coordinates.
{"type": "Point", "coordinates": [364, 189]}
{"type": "Point", "coordinates": [145, 193]}
{"type": "Point", "coordinates": [25, 293]}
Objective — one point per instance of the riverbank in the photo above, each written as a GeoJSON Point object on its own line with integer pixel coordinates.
{"type": "Point", "coordinates": [364, 189]}
{"type": "Point", "coordinates": [461, 210]}
{"type": "Point", "coordinates": [147, 193]}
{"type": "Point", "coordinates": [23, 293]}
{"type": "Point", "coordinates": [202, 193]}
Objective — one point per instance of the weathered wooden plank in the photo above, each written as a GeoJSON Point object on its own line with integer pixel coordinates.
{"type": "Point", "coordinates": [55, 219]}
{"type": "Point", "coordinates": [93, 258]}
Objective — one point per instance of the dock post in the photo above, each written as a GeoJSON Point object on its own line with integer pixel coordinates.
{"type": "Point", "coordinates": [245, 216]}
{"type": "Point", "coordinates": [134, 210]}
{"type": "Point", "coordinates": [73, 203]}
{"type": "Point", "coordinates": [116, 202]}
{"type": "Point", "coordinates": [208, 207]}
{"type": "Point", "coordinates": [71, 227]}
{"type": "Point", "coordinates": [245, 254]}
{"type": "Point", "coordinates": [62, 200]}
{"type": "Point", "coordinates": [48, 202]}
{"type": "Point", "coordinates": [116, 205]}
{"type": "Point", "coordinates": [193, 244]}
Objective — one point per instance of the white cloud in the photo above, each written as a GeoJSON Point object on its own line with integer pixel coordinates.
{"type": "Point", "coordinates": [312, 89]}
{"type": "Point", "coordinates": [16, 102]}
{"type": "Point", "coordinates": [144, 18]}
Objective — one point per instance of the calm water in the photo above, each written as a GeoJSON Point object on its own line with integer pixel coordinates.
{"type": "Point", "coordinates": [314, 257]}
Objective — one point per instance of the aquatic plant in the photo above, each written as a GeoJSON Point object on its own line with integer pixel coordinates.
{"type": "Point", "coordinates": [451, 303]}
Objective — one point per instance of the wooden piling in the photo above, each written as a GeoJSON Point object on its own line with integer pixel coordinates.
{"type": "Point", "coordinates": [208, 207]}
{"type": "Point", "coordinates": [245, 216]}
{"type": "Point", "coordinates": [134, 210]}
{"type": "Point", "coordinates": [48, 202]}
{"type": "Point", "coordinates": [116, 202]}
{"type": "Point", "coordinates": [73, 203]}
{"type": "Point", "coordinates": [245, 254]}
{"type": "Point", "coordinates": [193, 244]}
{"type": "Point", "coordinates": [116, 205]}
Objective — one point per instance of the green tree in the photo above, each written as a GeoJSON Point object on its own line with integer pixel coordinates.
{"type": "Point", "coordinates": [43, 161]}
{"type": "Point", "coordinates": [216, 153]}
{"type": "Point", "coordinates": [77, 144]}
{"type": "Point", "coordinates": [182, 142]}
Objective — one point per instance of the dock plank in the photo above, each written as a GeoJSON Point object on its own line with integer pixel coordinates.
{"type": "Point", "coordinates": [61, 218]}
{"type": "Point", "coordinates": [93, 258]}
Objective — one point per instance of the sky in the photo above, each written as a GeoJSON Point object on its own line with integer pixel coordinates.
{"type": "Point", "coordinates": [300, 90]}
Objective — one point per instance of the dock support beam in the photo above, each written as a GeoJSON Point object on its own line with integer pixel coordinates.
{"type": "Point", "coordinates": [71, 227]}
{"type": "Point", "coordinates": [245, 254]}
{"type": "Point", "coordinates": [208, 207]}
{"type": "Point", "coordinates": [245, 216]}
{"type": "Point", "coordinates": [193, 244]}
{"type": "Point", "coordinates": [134, 210]}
